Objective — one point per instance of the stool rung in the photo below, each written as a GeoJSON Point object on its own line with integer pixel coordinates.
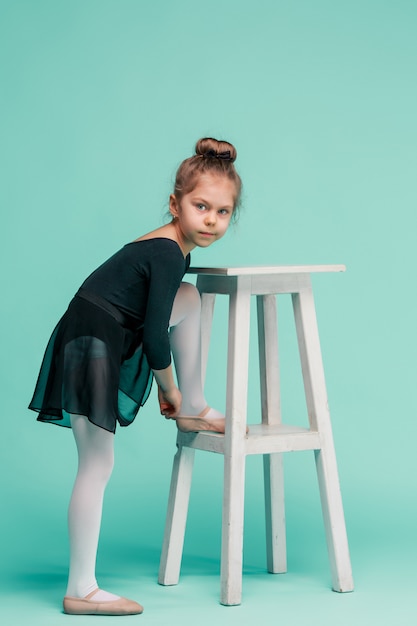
{"type": "Point", "coordinates": [267, 439]}
{"type": "Point", "coordinates": [261, 439]}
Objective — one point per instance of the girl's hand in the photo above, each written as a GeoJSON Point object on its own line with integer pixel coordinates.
{"type": "Point", "coordinates": [169, 402]}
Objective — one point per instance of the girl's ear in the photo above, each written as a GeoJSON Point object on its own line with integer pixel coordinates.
{"type": "Point", "coordinates": [173, 206]}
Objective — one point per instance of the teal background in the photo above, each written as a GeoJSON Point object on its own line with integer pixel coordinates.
{"type": "Point", "coordinates": [100, 101]}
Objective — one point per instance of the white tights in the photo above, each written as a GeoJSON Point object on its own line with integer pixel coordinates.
{"type": "Point", "coordinates": [95, 446]}
{"type": "Point", "coordinates": [95, 465]}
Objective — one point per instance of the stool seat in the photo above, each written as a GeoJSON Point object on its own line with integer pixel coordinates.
{"type": "Point", "coordinates": [271, 437]}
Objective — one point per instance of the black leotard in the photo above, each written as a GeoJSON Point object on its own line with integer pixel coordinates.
{"type": "Point", "coordinates": [141, 280]}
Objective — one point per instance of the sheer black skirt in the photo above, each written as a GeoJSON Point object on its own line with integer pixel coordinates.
{"type": "Point", "coordinates": [94, 366]}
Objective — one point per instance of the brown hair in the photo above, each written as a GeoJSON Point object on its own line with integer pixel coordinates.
{"type": "Point", "coordinates": [211, 157]}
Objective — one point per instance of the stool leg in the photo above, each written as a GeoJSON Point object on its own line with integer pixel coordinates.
{"type": "Point", "coordinates": [232, 530]}
{"type": "Point", "coordinates": [179, 495]}
{"type": "Point", "coordinates": [319, 416]}
{"type": "Point", "coordinates": [276, 550]}
{"type": "Point", "coordinates": [234, 444]}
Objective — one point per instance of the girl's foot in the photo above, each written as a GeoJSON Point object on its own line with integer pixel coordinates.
{"type": "Point", "coordinates": [208, 419]}
{"type": "Point", "coordinates": [97, 603]}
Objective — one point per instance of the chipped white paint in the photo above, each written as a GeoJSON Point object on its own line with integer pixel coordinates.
{"type": "Point", "coordinates": [270, 437]}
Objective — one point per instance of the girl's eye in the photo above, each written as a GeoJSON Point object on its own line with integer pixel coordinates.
{"type": "Point", "coordinates": [201, 207]}
{"type": "Point", "coordinates": [224, 212]}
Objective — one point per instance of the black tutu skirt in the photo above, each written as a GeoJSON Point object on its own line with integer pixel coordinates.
{"type": "Point", "coordinates": [93, 366]}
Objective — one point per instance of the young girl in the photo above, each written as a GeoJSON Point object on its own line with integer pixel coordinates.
{"type": "Point", "coordinates": [117, 334]}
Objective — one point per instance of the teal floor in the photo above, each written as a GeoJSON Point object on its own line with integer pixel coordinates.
{"type": "Point", "coordinates": [384, 594]}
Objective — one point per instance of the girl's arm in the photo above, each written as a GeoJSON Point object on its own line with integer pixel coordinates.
{"type": "Point", "coordinates": [169, 396]}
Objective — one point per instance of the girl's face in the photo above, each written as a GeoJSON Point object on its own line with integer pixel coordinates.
{"type": "Point", "coordinates": [202, 216]}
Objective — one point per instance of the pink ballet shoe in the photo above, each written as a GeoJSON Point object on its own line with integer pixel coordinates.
{"type": "Point", "coordinates": [192, 424]}
{"type": "Point", "coordinates": [89, 606]}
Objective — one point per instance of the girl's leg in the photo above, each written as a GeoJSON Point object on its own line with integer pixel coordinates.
{"type": "Point", "coordinates": [186, 350]}
{"type": "Point", "coordinates": [95, 464]}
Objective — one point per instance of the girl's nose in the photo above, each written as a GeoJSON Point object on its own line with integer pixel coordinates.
{"type": "Point", "coordinates": [211, 217]}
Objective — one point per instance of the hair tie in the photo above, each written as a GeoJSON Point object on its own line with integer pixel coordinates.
{"type": "Point", "coordinates": [224, 156]}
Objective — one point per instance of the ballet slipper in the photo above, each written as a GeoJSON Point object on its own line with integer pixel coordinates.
{"type": "Point", "coordinates": [89, 606]}
{"type": "Point", "coordinates": [196, 423]}
{"type": "Point", "coordinates": [193, 424]}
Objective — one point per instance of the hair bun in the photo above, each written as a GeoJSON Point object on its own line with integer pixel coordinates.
{"type": "Point", "coordinates": [212, 148]}
{"type": "Point", "coordinates": [213, 158]}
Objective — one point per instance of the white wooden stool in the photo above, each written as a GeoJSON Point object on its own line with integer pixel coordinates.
{"type": "Point", "coordinates": [271, 437]}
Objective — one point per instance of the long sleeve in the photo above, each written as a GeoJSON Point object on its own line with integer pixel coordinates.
{"type": "Point", "coordinates": [165, 274]}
